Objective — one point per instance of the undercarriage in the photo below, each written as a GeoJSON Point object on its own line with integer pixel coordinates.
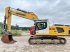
{"type": "Point", "coordinates": [46, 40]}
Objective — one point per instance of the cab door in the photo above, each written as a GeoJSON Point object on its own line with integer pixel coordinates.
{"type": "Point", "coordinates": [42, 28]}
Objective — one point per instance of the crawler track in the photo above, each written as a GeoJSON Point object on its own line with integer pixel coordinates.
{"type": "Point", "coordinates": [47, 40]}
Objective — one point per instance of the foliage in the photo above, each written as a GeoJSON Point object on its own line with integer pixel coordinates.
{"type": "Point", "coordinates": [19, 28]}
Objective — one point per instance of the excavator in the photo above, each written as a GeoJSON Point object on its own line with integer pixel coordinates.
{"type": "Point", "coordinates": [41, 32]}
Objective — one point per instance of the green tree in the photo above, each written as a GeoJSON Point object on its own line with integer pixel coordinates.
{"type": "Point", "coordinates": [17, 27]}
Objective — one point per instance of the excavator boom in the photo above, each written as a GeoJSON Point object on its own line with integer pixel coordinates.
{"type": "Point", "coordinates": [24, 14]}
{"type": "Point", "coordinates": [7, 37]}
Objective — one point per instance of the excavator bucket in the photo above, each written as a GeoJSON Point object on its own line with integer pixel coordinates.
{"type": "Point", "coordinates": [7, 38]}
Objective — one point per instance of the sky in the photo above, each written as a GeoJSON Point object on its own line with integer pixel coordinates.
{"type": "Point", "coordinates": [56, 11]}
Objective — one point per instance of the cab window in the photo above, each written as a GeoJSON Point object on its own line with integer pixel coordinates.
{"type": "Point", "coordinates": [41, 25]}
{"type": "Point", "coordinates": [59, 29]}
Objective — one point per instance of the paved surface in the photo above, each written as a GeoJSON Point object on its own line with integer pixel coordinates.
{"type": "Point", "coordinates": [22, 46]}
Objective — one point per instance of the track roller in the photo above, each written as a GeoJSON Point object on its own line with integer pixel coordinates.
{"type": "Point", "coordinates": [7, 38]}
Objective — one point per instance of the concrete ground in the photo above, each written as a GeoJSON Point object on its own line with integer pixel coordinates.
{"type": "Point", "coordinates": [22, 46]}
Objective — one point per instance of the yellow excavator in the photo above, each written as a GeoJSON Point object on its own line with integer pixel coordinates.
{"type": "Point", "coordinates": [41, 32]}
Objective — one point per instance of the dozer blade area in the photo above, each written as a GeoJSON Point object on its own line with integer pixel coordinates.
{"type": "Point", "coordinates": [7, 38]}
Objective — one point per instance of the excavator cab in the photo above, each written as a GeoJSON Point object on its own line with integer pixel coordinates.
{"type": "Point", "coordinates": [40, 26]}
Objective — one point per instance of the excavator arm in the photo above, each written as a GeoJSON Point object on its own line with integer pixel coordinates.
{"type": "Point", "coordinates": [7, 37]}
{"type": "Point", "coordinates": [17, 12]}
